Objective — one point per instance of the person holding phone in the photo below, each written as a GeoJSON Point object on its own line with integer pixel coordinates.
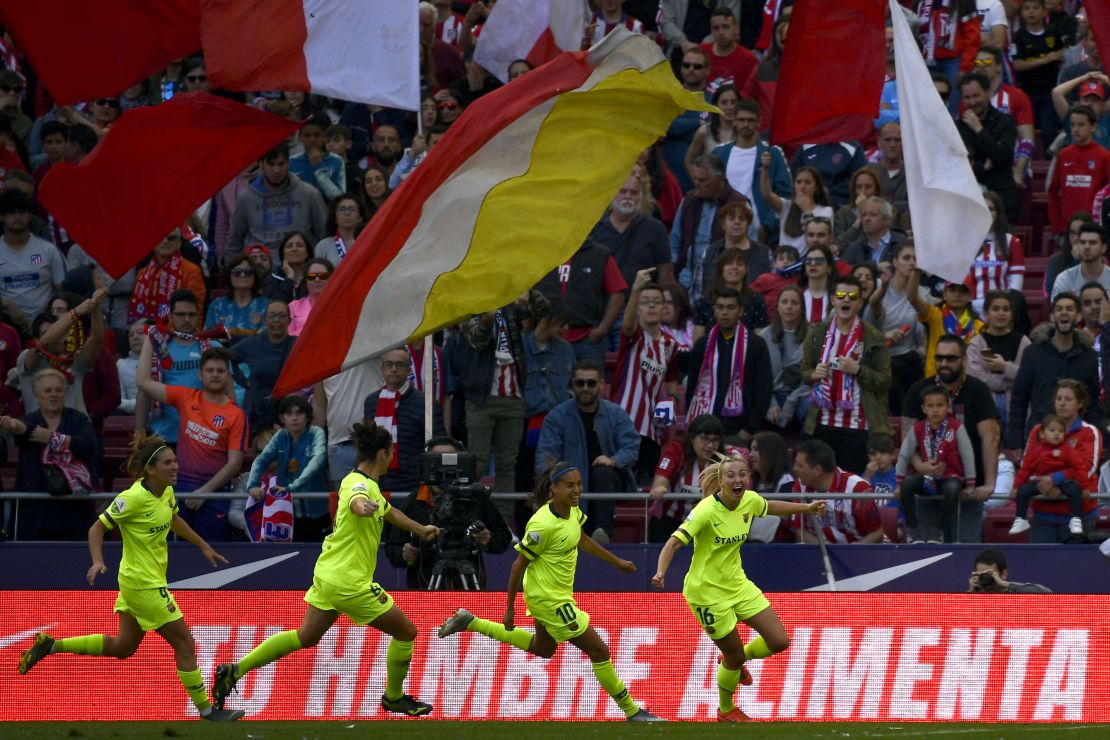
{"type": "Point", "coordinates": [995, 353]}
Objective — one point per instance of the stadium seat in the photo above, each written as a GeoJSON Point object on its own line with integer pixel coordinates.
{"type": "Point", "coordinates": [889, 517]}
{"type": "Point", "coordinates": [628, 523]}
{"type": "Point", "coordinates": [996, 525]}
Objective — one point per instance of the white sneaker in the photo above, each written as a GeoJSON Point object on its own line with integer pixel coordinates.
{"type": "Point", "coordinates": [1020, 525]}
{"type": "Point", "coordinates": [600, 536]}
{"type": "Point", "coordinates": [1075, 525]}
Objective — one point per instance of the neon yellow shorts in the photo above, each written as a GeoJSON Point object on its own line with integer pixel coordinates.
{"type": "Point", "coordinates": [720, 619]}
{"type": "Point", "coordinates": [563, 620]}
{"type": "Point", "coordinates": [151, 607]}
{"type": "Point", "coordinates": [363, 607]}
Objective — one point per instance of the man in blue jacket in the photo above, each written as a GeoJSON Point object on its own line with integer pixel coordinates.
{"type": "Point", "coordinates": [743, 167]}
{"type": "Point", "coordinates": [595, 436]}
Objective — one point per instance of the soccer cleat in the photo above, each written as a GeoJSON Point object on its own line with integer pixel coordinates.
{"type": "Point", "coordinates": [1075, 525]}
{"type": "Point", "coordinates": [745, 677]}
{"type": "Point", "coordinates": [645, 716]}
{"type": "Point", "coordinates": [223, 684]}
{"type": "Point", "coordinates": [457, 622]}
{"type": "Point", "coordinates": [223, 715]}
{"type": "Point", "coordinates": [406, 705]}
{"type": "Point", "coordinates": [736, 714]}
{"type": "Point", "coordinates": [1020, 525]}
{"type": "Point", "coordinates": [39, 649]}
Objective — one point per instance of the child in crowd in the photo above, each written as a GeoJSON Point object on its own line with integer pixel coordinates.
{"type": "Point", "coordinates": [954, 316]}
{"type": "Point", "coordinates": [318, 166]}
{"type": "Point", "coordinates": [880, 472]}
{"type": "Point", "coordinates": [1051, 459]}
{"type": "Point", "coordinates": [786, 268]}
{"type": "Point", "coordinates": [339, 143]}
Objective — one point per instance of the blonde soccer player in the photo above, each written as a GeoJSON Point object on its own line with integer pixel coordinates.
{"type": "Point", "coordinates": [145, 514]}
{"type": "Point", "coordinates": [716, 588]}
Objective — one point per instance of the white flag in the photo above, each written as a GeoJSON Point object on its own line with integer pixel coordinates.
{"type": "Point", "coordinates": [950, 216]}
{"type": "Point", "coordinates": [536, 30]}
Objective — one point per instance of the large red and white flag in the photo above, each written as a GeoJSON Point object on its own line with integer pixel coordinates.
{"type": "Point", "coordinates": [361, 50]}
{"type": "Point", "coordinates": [510, 192]}
{"type": "Point", "coordinates": [536, 30]}
{"type": "Point", "coordinates": [950, 216]}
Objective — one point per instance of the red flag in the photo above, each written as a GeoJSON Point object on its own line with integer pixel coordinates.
{"type": "Point", "coordinates": [83, 50]}
{"type": "Point", "coordinates": [152, 169]}
{"type": "Point", "coordinates": [832, 69]}
{"type": "Point", "coordinates": [1098, 16]}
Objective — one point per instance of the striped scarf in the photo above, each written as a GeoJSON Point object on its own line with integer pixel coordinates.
{"type": "Point", "coordinates": [75, 472]}
{"type": "Point", "coordinates": [705, 394]}
{"type": "Point", "coordinates": [385, 416]}
{"type": "Point", "coordinates": [838, 389]}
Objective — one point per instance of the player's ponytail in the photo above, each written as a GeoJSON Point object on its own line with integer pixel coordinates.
{"type": "Point", "coordinates": [144, 449]}
{"type": "Point", "coordinates": [370, 439]}
{"type": "Point", "coordinates": [541, 494]}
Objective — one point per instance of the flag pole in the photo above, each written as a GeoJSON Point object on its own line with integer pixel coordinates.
{"type": "Point", "coordinates": [429, 385]}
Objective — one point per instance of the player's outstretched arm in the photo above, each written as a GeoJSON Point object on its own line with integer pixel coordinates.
{"type": "Point", "coordinates": [589, 546]}
{"type": "Point", "coordinates": [182, 529]}
{"type": "Point", "coordinates": [786, 508]}
{"type": "Point", "coordinates": [399, 519]}
{"type": "Point", "coordinates": [665, 556]}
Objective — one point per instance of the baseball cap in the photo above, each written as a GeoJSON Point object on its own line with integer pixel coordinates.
{"type": "Point", "coordinates": [254, 249]}
{"type": "Point", "coordinates": [1093, 88]}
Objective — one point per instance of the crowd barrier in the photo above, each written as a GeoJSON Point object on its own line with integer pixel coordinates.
{"type": "Point", "coordinates": [880, 657]}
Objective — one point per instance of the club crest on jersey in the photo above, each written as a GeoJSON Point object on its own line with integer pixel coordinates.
{"type": "Point", "coordinates": [745, 518]}
{"type": "Point", "coordinates": [218, 421]}
{"type": "Point", "coordinates": [534, 537]}
{"type": "Point", "coordinates": [36, 259]}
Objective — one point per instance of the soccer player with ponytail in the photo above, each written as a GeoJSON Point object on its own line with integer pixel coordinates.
{"type": "Point", "coordinates": [145, 514]}
{"type": "Point", "coordinates": [716, 588]}
{"type": "Point", "coordinates": [343, 580]}
{"type": "Point", "coordinates": [545, 566]}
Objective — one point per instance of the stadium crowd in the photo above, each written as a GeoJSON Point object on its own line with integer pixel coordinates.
{"type": "Point", "coordinates": [733, 297]}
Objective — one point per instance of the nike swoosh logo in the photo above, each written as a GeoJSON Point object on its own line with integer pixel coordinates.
{"type": "Point", "coordinates": [221, 578]}
{"type": "Point", "coordinates": [874, 579]}
{"type": "Point", "coordinates": [8, 640]}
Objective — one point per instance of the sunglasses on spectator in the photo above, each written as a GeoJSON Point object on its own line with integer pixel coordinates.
{"type": "Point", "coordinates": [242, 273]}
{"type": "Point", "coordinates": [584, 383]}
{"type": "Point", "coordinates": [984, 62]}
{"type": "Point", "coordinates": [816, 261]}
{"type": "Point", "coordinates": [316, 277]}
{"type": "Point", "coordinates": [17, 89]}
{"type": "Point", "coordinates": [196, 78]}
{"type": "Point", "coordinates": [447, 104]}
{"type": "Point", "coordinates": [946, 358]}
{"type": "Point", "coordinates": [692, 65]}
{"type": "Point", "coordinates": [112, 102]}
{"type": "Point", "coordinates": [849, 294]}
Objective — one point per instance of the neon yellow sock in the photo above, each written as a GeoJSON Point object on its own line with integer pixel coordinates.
{"type": "Point", "coordinates": [614, 686]}
{"type": "Point", "coordinates": [194, 685]}
{"type": "Point", "coordinates": [397, 659]}
{"type": "Point", "coordinates": [516, 637]}
{"type": "Point", "coordinates": [272, 648]}
{"type": "Point", "coordinates": [756, 649]}
{"type": "Point", "coordinates": [727, 681]}
{"type": "Point", "coordinates": [84, 645]}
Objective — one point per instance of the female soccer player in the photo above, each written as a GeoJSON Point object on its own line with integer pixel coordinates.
{"type": "Point", "coordinates": [546, 564]}
{"type": "Point", "coordinates": [145, 513]}
{"type": "Point", "coordinates": [343, 580]}
{"type": "Point", "coordinates": [716, 588]}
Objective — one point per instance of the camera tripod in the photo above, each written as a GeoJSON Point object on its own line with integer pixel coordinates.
{"type": "Point", "coordinates": [451, 565]}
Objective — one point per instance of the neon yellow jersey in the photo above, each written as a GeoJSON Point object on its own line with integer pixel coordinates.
{"type": "Point", "coordinates": [144, 521]}
{"type": "Point", "coordinates": [550, 543]}
{"type": "Point", "coordinates": [350, 553]}
{"type": "Point", "coordinates": [716, 574]}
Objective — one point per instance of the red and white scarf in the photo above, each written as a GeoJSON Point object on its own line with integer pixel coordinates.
{"type": "Point", "coordinates": [385, 416]}
{"type": "Point", "coordinates": [838, 390]}
{"type": "Point", "coordinates": [705, 394]}
{"type": "Point", "coordinates": [153, 287]}
{"type": "Point", "coordinates": [75, 472]}
{"type": "Point", "coordinates": [416, 369]}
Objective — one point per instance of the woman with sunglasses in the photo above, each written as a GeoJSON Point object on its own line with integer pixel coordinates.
{"type": "Point", "coordinates": [317, 272]}
{"type": "Point", "coordinates": [450, 108]}
{"type": "Point", "coordinates": [241, 312]}
{"type": "Point", "coordinates": [820, 267]}
{"type": "Point", "coordinates": [196, 78]}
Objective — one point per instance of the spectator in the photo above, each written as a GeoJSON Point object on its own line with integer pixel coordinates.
{"type": "Point", "coordinates": [810, 200]}
{"type": "Point", "coordinates": [953, 317]}
{"type": "Point", "coordinates": [596, 437]}
{"type": "Point", "coordinates": [868, 275]}
{"type": "Point", "coordinates": [399, 408]}
{"type": "Point", "coordinates": [973, 405]}
{"type": "Point", "coordinates": [1067, 251]}
{"type": "Point", "coordinates": [385, 149]}
{"type": "Point", "coordinates": [317, 272]}
{"type": "Point", "coordinates": [1081, 170]}
{"type": "Point", "coordinates": [1038, 51]}
{"type": "Point", "coordinates": [763, 84]}
{"type": "Point", "coordinates": [951, 32]}
{"type": "Point", "coordinates": [10, 348]}
{"type": "Point", "coordinates": [990, 137]}
{"type": "Point", "coordinates": [212, 437]}
{"type": "Point", "coordinates": [287, 283]}
{"type": "Point", "coordinates": [167, 272]}
{"type": "Point", "coordinates": [853, 521]}
{"type": "Point", "coordinates": [729, 62]}
{"type": "Point", "coordinates": [865, 182]}
{"type": "Point", "coordinates": [20, 181]}
{"type": "Point", "coordinates": [992, 564]}
{"type": "Point", "coordinates": [1091, 298]}
{"type": "Point", "coordinates": [54, 136]}
{"type": "Point", "coordinates": [592, 287]}
{"type": "Point", "coordinates": [493, 366]}
{"type": "Point", "coordinates": [375, 189]}
{"type": "Point", "coordinates": [730, 372]}
{"type": "Point", "coordinates": [441, 62]}
{"type": "Point", "coordinates": [817, 279]}
{"type": "Point", "coordinates": [264, 354]}
{"type": "Point", "coordinates": [317, 166]}
{"type": "Point", "coordinates": [345, 219]}
{"type": "Point", "coordinates": [771, 465]}
{"type": "Point", "coordinates": [31, 269]}
{"type": "Point", "coordinates": [891, 311]}
{"type": "Point", "coordinates": [1009, 100]}
{"type": "Point", "coordinates": [835, 164]}
{"type": "Point", "coordinates": [785, 267]}
{"type": "Point", "coordinates": [730, 271]}
{"type": "Point", "coordinates": [1052, 514]}
{"type": "Point", "coordinates": [417, 153]}
{"type": "Point", "coordinates": [1000, 264]}
{"type": "Point", "coordinates": [847, 363]}
{"type": "Point", "coordinates": [679, 470]}
{"type": "Point", "coordinates": [1091, 91]}
{"type": "Point", "coordinates": [126, 366]}
{"type": "Point", "coordinates": [1091, 250]}
{"type": "Point", "coordinates": [736, 221]}
{"type": "Point", "coordinates": [241, 313]}
{"type": "Point", "coordinates": [338, 141]}
{"type": "Point", "coordinates": [1053, 469]}
{"type": "Point", "coordinates": [1058, 350]}
{"type": "Point", "coordinates": [880, 471]}
{"type": "Point", "coordinates": [719, 130]}
{"type": "Point", "coordinates": [636, 241]}
{"type": "Point", "coordinates": [995, 354]}
{"type": "Point", "coordinates": [58, 454]}
{"type": "Point", "coordinates": [892, 168]}
{"type": "Point", "coordinates": [876, 243]}
{"type": "Point", "coordinates": [276, 203]}
{"type": "Point", "coordinates": [693, 73]}
{"type": "Point", "coordinates": [678, 317]}
{"type": "Point", "coordinates": [936, 459]}
{"type": "Point", "coordinates": [696, 226]}
{"type": "Point", "coordinates": [604, 19]}
{"type": "Point", "coordinates": [299, 450]}
{"type": "Point", "coordinates": [475, 82]}
{"type": "Point", "coordinates": [744, 167]}
{"type": "Point", "coordinates": [785, 338]}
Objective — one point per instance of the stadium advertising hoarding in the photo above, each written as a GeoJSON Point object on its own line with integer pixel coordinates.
{"type": "Point", "coordinates": [882, 657]}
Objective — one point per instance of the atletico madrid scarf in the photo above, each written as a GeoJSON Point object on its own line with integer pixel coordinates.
{"type": "Point", "coordinates": [385, 416]}
{"type": "Point", "coordinates": [838, 389]}
{"type": "Point", "coordinates": [705, 393]}
{"type": "Point", "coordinates": [153, 287]}
{"type": "Point", "coordinates": [416, 369]}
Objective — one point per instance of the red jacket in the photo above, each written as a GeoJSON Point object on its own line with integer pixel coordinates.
{"type": "Point", "coordinates": [1042, 459]}
{"type": "Point", "coordinates": [1080, 172]}
{"type": "Point", "coordinates": [951, 29]}
{"type": "Point", "coordinates": [1085, 439]}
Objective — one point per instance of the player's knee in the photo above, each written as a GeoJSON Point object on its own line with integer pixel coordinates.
{"type": "Point", "coordinates": [308, 640]}
{"type": "Point", "coordinates": [777, 643]}
{"type": "Point", "coordinates": [735, 656]}
{"type": "Point", "coordinates": [407, 633]}
{"type": "Point", "coordinates": [600, 654]}
{"type": "Point", "coordinates": [542, 651]}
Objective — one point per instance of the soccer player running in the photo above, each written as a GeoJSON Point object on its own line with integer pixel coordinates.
{"type": "Point", "coordinates": [343, 580]}
{"type": "Point", "coordinates": [548, 556]}
{"type": "Point", "coordinates": [145, 514]}
{"type": "Point", "coordinates": [716, 588]}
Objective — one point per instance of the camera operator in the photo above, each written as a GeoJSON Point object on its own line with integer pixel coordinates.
{"type": "Point", "coordinates": [485, 530]}
{"type": "Point", "coordinates": [989, 577]}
